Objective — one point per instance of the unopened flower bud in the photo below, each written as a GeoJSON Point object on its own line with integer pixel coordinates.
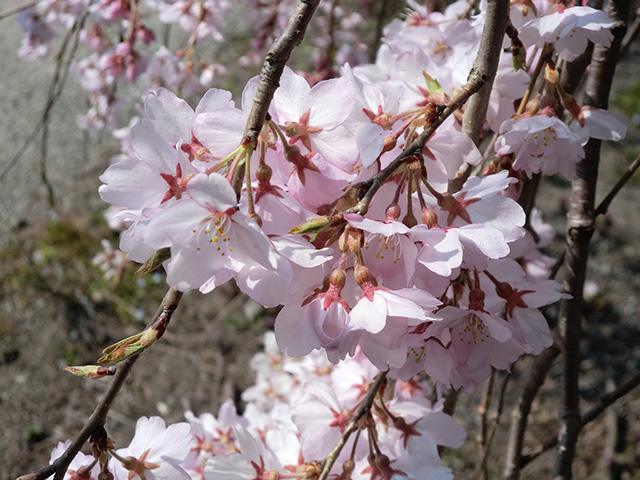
{"type": "Point", "coordinates": [363, 275]}
{"type": "Point", "coordinates": [533, 106]}
{"type": "Point", "coordinates": [351, 240]}
{"type": "Point", "coordinates": [263, 173]}
{"type": "Point", "coordinates": [429, 217]}
{"type": "Point", "coordinates": [390, 143]}
{"type": "Point", "coordinates": [393, 212]}
{"type": "Point", "coordinates": [338, 278]}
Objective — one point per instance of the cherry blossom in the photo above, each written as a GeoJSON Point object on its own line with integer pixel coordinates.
{"type": "Point", "coordinates": [209, 238]}
{"type": "Point", "coordinates": [425, 282]}
{"type": "Point", "coordinates": [570, 30]}
{"type": "Point", "coordinates": [542, 143]}
{"type": "Point", "coordinates": [156, 451]}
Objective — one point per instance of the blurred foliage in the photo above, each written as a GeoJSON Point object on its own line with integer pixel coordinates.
{"type": "Point", "coordinates": [628, 100]}
{"type": "Point", "coordinates": [56, 259]}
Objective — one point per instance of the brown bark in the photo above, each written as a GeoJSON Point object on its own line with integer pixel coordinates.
{"type": "Point", "coordinates": [580, 227]}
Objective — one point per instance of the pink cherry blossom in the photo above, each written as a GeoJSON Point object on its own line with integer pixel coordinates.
{"type": "Point", "coordinates": [314, 116]}
{"type": "Point", "coordinates": [542, 143]}
{"type": "Point", "coordinates": [570, 31]}
{"type": "Point", "coordinates": [209, 238]}
{"type": "Point", "coordinates": [156, 451]}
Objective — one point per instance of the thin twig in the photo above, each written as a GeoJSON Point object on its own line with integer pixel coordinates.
{"type": "Point", "coordinates": [364, 408]}
{"type": "Point", "coordinates": [468, 10]}
{"type": "Point", "coordinates": [520, 414]}
{"type": "Point", "coordinates": [483, 411]}
{"type": "Point", "coordinates": [381, 19]}
{"type": "Point", "coordinates": [52, 96]}
{"type": "Point", "coordinates": [604, 205]}
{"type": "Point", "coordinates": [494, 425]}
{"type": "Point", "coordinates": [98, 418]}
{"type": "Point", "coordinates": [629, 37]}
{"type": "Point", "coordinates": [602, 404]}
{"type": "Point", "coordinates": [474, 82]}
{"type": "Point", "coordinates": [19, 8]}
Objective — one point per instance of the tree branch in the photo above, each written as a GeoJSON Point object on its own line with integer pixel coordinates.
{"type": "Point", "coordinates": [631, 169]}
{"type": "Point", "coordinates": [98, 418]}
{"type": "Point", "coordinates": [580, 227]}
{"type": "Point", "coordinates": [273, 67]}
{"type": "Point", "coordinates": [497, 19]}
{"type": "Point", "coordinates": [365, 407]}
{"type": "Point", "coordinates": [602, 404]}
{"type": "Point", "coordinates": [520, 413]}
{"type": "Point", "coordinates": [474, 82]}
{"type": "Point", "coordinates": [19, 8]}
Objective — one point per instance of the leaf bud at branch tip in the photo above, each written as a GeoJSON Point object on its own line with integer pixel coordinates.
{"type": "Point", "coordinates": [92, 371]}
{"type": "Point", "coordinates": [551, 75]}
{"type": "Point", "coordinates": [154, 261]}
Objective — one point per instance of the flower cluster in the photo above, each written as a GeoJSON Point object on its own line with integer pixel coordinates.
{"type": "Point", "coordinates": [293, 417]}
{"type": "Point", "coordinates": [376, 269]}
{"type": "Point", "coordinates": [124, 49]}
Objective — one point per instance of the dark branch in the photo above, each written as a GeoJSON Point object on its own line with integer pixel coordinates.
{"type": "Point", "coordinates": [580, 228]}
{"type": "Point", "coordinates": [602, 404]}
{"type": "Point", "coordinates": [273, 67]}
{"type": "Point", "coordinates": [474, 82]}
{"type": "Point", "coordinates": [364, 408]}
{"type": "Point", "coordinates": [98, 418]}
{"type": "Point", "coordinates": [520, 414]}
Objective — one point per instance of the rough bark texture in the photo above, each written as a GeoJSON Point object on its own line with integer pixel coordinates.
{"type": "Point", "coordinates": [580, 227]}
{"type": "Point", "coordinates": [497, 17]}
{"type": "Point", "coordinates": [274, 64]}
